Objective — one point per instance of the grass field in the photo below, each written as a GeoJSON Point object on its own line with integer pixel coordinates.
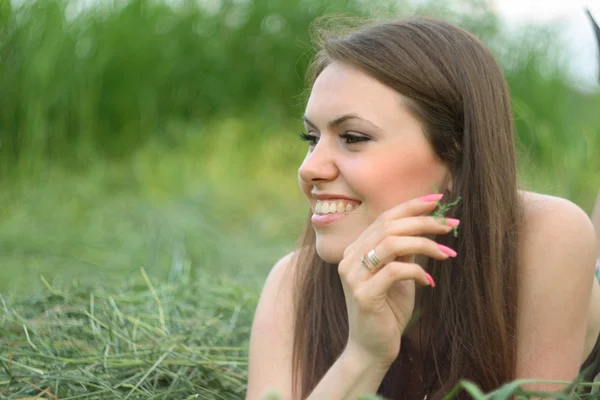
{"type": "Point", "coordinates": [205, 233]}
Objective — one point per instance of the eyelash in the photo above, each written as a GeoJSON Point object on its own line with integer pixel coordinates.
{"type": "Point", "coordinates": [350, 139]}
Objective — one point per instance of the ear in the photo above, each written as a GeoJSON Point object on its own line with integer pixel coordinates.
{"type": "Point", "coordinates": [447, 183]}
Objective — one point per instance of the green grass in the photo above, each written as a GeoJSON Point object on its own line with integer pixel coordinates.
{"type": "Point", "coordinates": [162, 208]}
{"type": "Point", "coordinates": [145, 340]}
{"type": "Point", "coordinates": [183, 339]}
{"type": "Point", "coordinates": [108, 80]}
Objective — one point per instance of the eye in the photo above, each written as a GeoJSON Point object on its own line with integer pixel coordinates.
{"type": "Point", "coordinates": [311, 139]}
{"type": "Point", "coordinates": [351, 139]}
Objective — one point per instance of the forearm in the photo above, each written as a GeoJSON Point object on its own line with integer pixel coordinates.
{"type": "Point", "coordinates": [349, 377]}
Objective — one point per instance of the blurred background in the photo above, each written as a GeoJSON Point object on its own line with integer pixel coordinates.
{"type": "Point", "coordinates": [163, 134]}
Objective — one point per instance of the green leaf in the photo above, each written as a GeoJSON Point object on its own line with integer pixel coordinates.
{"type": "Point", "coordinates": [596, 386]}
{"type": "Point", "coordinates": [470, 388]}
{"type": "Point", "coordinates": [505, 391]}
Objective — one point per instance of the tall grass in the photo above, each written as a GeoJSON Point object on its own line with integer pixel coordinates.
{"type": "Point", "coordinates": [76, 81]}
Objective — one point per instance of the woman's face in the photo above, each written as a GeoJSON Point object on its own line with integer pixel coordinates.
{"type": "Point", "coordinates": [386, 160]}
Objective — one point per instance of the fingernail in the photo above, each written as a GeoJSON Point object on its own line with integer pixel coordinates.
{"type": "Point", "coordinates": [447, 250]}
{"type": "Point", "coordinates": [432, 197]}
{"type": "Point", "coordinates": [452, 221]}
{"type": "Point", "coordinates": [430, 279]}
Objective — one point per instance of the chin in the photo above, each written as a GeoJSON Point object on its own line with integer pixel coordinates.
{"type": "Point", "coordinates": [329, 252]}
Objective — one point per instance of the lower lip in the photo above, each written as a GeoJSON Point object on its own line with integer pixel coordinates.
{"type": "Point", "coordinates": [320, 221]}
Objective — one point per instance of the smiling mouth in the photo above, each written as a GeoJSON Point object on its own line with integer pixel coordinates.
{"type": "Point", "coordinates": [335, 206]}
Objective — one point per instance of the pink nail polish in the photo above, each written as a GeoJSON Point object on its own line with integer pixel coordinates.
{"type": "Point", "coordinates": [452, 221]}
{"type": "Point", "coordinates": [430, 279]}
{"type": "Point", "coordinates": [447, 250]}
{"type": "Point", "coordinates": [432, 197]}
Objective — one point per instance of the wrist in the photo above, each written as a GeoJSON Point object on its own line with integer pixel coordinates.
{"type": "Point", "coordinates": [364, 373]}
{"type": "Point", "coordinates": [353, 374]}
{"type": "Point", "coordinates": [364, 363]}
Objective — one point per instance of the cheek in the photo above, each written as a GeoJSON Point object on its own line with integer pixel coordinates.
{"type": "Point", "coordinates": [392, 178]}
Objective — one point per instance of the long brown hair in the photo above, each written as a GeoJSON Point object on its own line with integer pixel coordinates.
{"type": "Point", "coordinates": [457, 91]}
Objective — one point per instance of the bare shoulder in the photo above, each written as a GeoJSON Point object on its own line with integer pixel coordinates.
{"type": "Point", "coordinates": [557, 289]}
{"type": "Point", "coordinates": [558, 227]}
{"type": "Point", "coordinates": [271, 340]}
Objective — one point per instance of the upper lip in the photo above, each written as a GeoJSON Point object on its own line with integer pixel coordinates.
{"type": "Point", "coordinates": [329, 196]}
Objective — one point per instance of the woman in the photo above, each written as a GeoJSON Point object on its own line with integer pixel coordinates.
{"type": "Point", "coordinates": [380, 296]}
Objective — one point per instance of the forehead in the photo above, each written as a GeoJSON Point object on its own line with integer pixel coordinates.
{"type": "Point", "coordinates": [342, 89]}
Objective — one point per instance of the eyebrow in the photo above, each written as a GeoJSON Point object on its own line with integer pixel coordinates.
{"type": "Point", "coordinates": [339, 120]}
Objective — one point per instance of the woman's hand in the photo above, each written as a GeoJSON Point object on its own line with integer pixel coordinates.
{"type": "Point", "coordinates": [381, 302]}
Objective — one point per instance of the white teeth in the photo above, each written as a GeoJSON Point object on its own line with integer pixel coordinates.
{"type": "Point", "coordinates": [340, 207]}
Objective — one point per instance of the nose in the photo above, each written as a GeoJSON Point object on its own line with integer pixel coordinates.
{"type": "Point", "coordinates": [319, 164]}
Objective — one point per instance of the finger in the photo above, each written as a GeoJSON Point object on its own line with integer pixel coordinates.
{"type": "Point", "coordinates": [414, 226]}
{"type": "Point", "coordinates": [410, 208]}
{"type": "Point", "coordinates": [413, 207]}
{"type": "Point", "coordinates": [393, 247]}
{"type": "Point", "coordinates": [390, 250]}
{"type": "Point", "coordinates": [357, 273]}
{"type": "Point", "coordinates": [381, 283]}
